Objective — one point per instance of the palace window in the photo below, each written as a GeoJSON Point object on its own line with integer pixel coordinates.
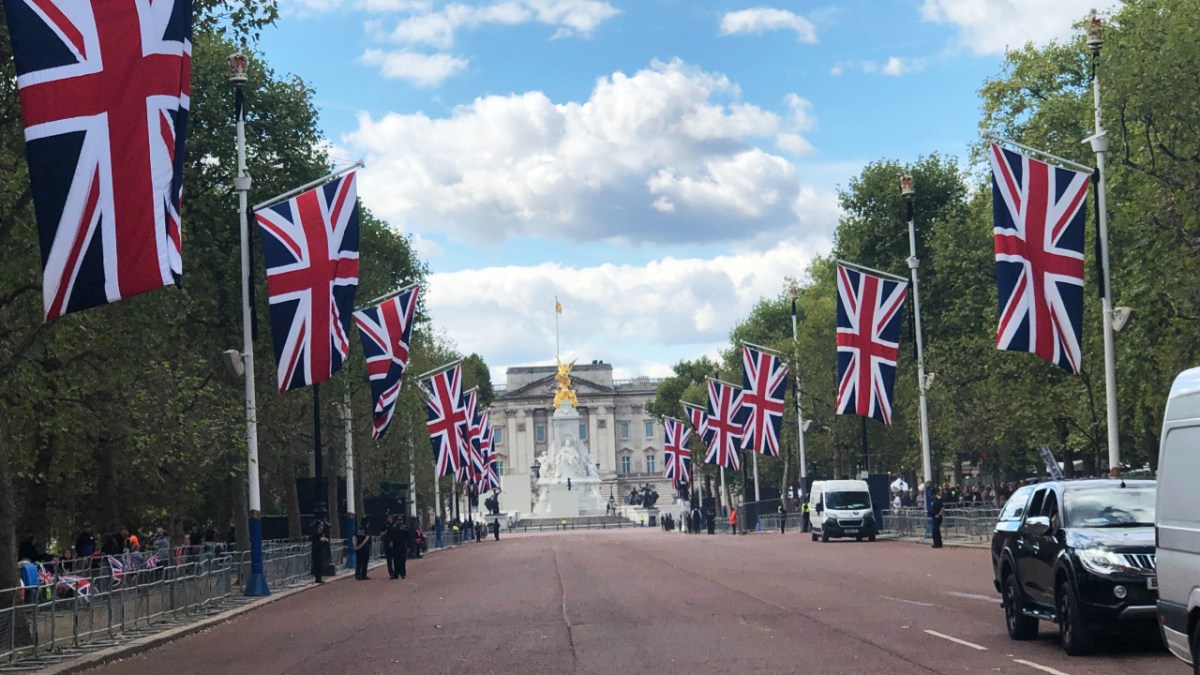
{"type": "Point", "coordinates": [623, 428]}
{"type": "Point", "coordinates": [499, 467]}
{"type": "Point", "coordinates": [539, 433]}
{"type": "Point", "coordinates": [583, 431]}
{"type": "Point", "coordinates": [649, 463]}
{"type": "Point", "coordinates": [498, 437]}
{"type": "Point", "coordinates": [625, 462]}
{"type": "Point", "coordinates": [649, 428]}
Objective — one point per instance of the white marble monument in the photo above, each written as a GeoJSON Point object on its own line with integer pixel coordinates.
{"type": "Point", "coordinates": [569, 484]}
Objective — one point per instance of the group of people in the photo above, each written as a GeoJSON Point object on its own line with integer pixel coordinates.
{"type": "Point", "coordinates": [399, 540]}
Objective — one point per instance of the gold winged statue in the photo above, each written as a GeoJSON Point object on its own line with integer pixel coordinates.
{"type": "Point", "coordinates": [564, 393]}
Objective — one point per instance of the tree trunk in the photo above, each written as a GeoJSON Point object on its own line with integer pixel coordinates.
{"type": "Point", "coordinates": [106, 518]}
{"type": "Point", "coordinates": [292, 494]}
{"type": "Point", "coordinates": [1068, 454]}
{"type": "Point", "coordinates": [37, 490]}
{"type": "Point", "coordinates": [9, 577]}
{"type": "Point", "coordinates": [225, 506]}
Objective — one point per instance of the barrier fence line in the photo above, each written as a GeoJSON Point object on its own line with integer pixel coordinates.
{"type": "Point", "coordinates": [86, 606]}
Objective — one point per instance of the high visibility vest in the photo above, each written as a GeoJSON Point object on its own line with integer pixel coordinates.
{"type": "Point", "coordinates": [805, 506]}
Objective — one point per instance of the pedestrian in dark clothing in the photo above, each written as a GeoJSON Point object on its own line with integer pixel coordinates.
{"type": "Point", "coordinates": [400, 552]}
{"type": "Point", "coordinates": [391, 544]}
{"type": "Point", "coordinates": [805, 517]}
{"type": "Point", "coordinates": [362, 553]}
{"type": "Point", "coordinates": [85, 543]}
{"type": "Point", "coordinates": [496, 529]}
{"type": "Point", "coordinates": [782, 518]}
{"type": "Point", "coordinates": [319, 540]}
{"type": "Point", "coordinates": [936, 512]}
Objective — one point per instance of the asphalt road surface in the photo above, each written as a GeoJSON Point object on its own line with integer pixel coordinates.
{"type": "Point", "coordinates": [645, 601]}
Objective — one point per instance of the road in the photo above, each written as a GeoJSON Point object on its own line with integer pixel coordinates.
{"type": "Point", "coordinates": [645, 601]}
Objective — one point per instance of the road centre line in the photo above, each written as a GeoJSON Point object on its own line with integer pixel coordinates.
{"type": "Point", "coordinates": [1038, 666]}
{"type": "Point", "coordinates": [955, 640]}
{"type": "Point", "coordinates": [908, 602]}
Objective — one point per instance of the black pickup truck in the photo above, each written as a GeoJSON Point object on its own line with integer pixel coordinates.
{"type": "Point", "coordinates": [1079, 554]}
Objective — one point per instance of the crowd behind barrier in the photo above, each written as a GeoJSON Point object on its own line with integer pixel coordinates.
{"type": "Point", "coordinates": [104, 600]}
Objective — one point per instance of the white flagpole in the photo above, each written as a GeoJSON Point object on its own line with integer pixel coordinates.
{"type": "Point", "coordinates": [256, 583]}
{"type": "Point", "coordinates": [308, 186]}
{"type": "Point", "coordinates": [412, 483]}
{"type": "Point", "coordinates": [351, 526]}
{"type": "Point", "coordinates": [799, 412]}
{"type": "Point", "coordinates": [907, 191]}
{"type": "Point", "coordinates": [1099, 142]}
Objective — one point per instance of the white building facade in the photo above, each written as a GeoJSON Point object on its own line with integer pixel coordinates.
{"type": "Point", "coordinates": [613, 423]}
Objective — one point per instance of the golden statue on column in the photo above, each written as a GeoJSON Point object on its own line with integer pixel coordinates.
{"type": "Point", "coordinates": [564, 393]}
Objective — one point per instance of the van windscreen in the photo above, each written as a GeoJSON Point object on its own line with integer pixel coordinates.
{"type": "Point", "coordinates": [847, 500]}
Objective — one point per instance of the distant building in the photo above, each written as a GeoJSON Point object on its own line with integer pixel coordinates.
{"type": "Point", "coordinates": [625, 439]}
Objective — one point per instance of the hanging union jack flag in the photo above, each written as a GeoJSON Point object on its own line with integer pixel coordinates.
{"type": "Point", "coordinates": [446, 418]}
{"type": "Point", "coordinates": [386, 331]}
{"type": "Point", "coordinates": [480, 431]}
{"type": "Point", "coordinates": [1038, 212]}
{"type": "Point", "coordinates": [104, 89]}
{"type": "Point", "coordinates": [310, 244]}
{"type": "Point", "coordinates": [468, 441]}
{"type": "Point", "coordinates": [764, 383]}
{"type": "Point", "coordinates": [698, 419]}
{"type": "Point", "coordinates": [869, 310]}
{"type": "Point", "coordinates": [677, 459]}
{"type": "Point", "coordinates": [724, 423]}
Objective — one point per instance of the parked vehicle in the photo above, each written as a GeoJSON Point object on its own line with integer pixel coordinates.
{"type": "Point", "coordinates": [842, 508]}
{"type": "Point", "coordinates": [1178, 520]}
{"type": "Point", "coordinates": [1079, 554]}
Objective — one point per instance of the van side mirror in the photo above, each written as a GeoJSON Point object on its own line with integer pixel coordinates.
{"type": "Point", "coordinates": [1037, 526]}
{"type": "Point", "coordinates": [820, 507]}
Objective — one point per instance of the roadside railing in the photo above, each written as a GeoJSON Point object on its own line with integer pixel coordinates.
{"type": "Point", "coordinates": [971, 523]}
{"type": "Point", "coordinates": [118, 598]}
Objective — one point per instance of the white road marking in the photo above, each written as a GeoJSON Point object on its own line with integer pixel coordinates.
{"type": "Point", "coordinates": [1044, 669]}
{"type": "Point", "coordinates": [955, 640]}
{"type": "Point", "coordinates": [908, 602]}
{"type": "Point", "coordinates": [974, 596]}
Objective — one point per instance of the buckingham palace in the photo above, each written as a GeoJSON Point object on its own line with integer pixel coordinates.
{"type": "Point", "coordinates": [624, 438]}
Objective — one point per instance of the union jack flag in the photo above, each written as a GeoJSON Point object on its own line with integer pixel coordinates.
{"type": "Point", "coordinates": [677, 459]}
{"type": "Point", "coordinates": [467, 461]}
{"type": "Point", "coordinates": [489, 478]}
{"type": "Point", "coordinates": [724, 424]}
{"type": "Point", "coordinates": [765, 384]}
{"type": "Point", "coordinates": [446, 418]}
{"type": "Point", "coordinates": [480, 432]}
{"type": "Point", "coordinates": [117, 565]}
{"type": "Point", "coordinates": [105, 89]}
{"type": "Point", "coordinates": [310, 244]}
{"type": "Point", "coordinates": [869, 311]}
{"type": "Point", "coordinates": [697, 418]}
{"type": "Point", "coordinates": [1038, 212]}
{"type": "Point", "coordinates": [386, 331]}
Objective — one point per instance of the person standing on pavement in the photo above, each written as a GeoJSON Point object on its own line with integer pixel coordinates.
{"type": "Point", "coordinates": [318, 540]}
{"type": "Point", "coordinates": [496, 529]}
{"type": "Point", "coordinates": [805, 517]}
{"type": "Point", "coordinates": [733, 521]}
{"type": "Point", "coordinates": [389, 546]}
{"type": "Point", "coordinates": [400, 552]}
{"type": "Point", "coordinates": [782, 517]}
{"type": "Point", "coordinates": [936, 512]}
{"type": "Point", "coordinates": [362, 552]}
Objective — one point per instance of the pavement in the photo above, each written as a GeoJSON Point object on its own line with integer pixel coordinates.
{"type": "Point", "coordinates": [634, 601]}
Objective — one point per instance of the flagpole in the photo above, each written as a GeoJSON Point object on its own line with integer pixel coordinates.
{"type": "Point", "coordinates": [386, 296]}
{"type": "Point", "coordinates": [256, 583]}
{"type": "Point", "coordinates": [1099, 143]}
{"type": "Point", "coordinates": [871, 270]}
{"type": "Point", "coordinates": [907, 191]}
{"type": "Point", "coordinates": [308, 186]}
{"type": "Point", "coordinates": [1000, 140]}
{"type": "Point", "coordinates": [557, 344]}
{"type": "Point", "coordinates": [724, 491]}
{"type": "Point", "coordinates": [351, 525]}
{"type": "Point", "coordinates": [412, 482]}
{"type": "Point", "coordinates": [796, 396]}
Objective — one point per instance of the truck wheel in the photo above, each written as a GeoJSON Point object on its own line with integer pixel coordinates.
{"type": "Point", "coordinates": [1076, 638]}
{"type": "Point", "coordinates": [1020, 626]}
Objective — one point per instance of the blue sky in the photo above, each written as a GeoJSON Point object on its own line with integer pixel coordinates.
{"type": "Point", "coordinates": [658, 165]}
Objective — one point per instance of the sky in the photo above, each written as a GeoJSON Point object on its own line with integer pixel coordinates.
{"type": "Point", "coordinates": [657, 165]}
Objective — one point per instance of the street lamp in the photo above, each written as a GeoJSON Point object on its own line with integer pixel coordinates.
{"type": "Point", "coordinates": [908, 192]}
{"type": "Point", "coordinates": [237, 69]}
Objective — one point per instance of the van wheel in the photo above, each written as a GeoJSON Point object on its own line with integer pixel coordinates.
{"type": "Point", "coordinates": [824, 537]}
{"type": "Point", "coordinates": [1195, 643]}
{"type": "Point", "coordinates": [1076, 638]}
{"type": "Point", "coordinates": [1020, 626]}
{"type": "Point", "coordinates": [814, 536]}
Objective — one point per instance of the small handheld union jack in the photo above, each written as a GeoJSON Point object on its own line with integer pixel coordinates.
{"type": "Point", "coordinates": [869, 310]}
{"type": "Point", "coordinates": [1039, 212]}
{"type": "Point", "coordinates": [386, 331]}
{"type": "Point", "coordinates": [765, 384]}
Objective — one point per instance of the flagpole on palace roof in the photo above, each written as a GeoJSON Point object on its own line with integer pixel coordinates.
{"type": "Point", "coordinates": [256, 584]}
{"type": "Point", "coordinates": [308, 186]}
{"type": "Point", "coordinates": [908, 192]}
{"type": "Point", "coordinates": [1099, 142]}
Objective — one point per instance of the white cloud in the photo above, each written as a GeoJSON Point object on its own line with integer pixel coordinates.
{"type": "Point", "coordinates": [761, 19]}
{"type": "Point", "coordinates": [993, 26]}
{"type": "Point", "coordinates": [894, 66]}
{"type": "Point", "coordinates": [666, 309]}
{"type": "Point", "coordinates": [423, 70]}
{"type": "Point", "coordinates": [424, 26]}
{"type": "Point", "coordinates": [648, 157]}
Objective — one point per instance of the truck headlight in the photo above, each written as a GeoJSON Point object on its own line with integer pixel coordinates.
{"type": "Point", "coordinates": [1104, 562]}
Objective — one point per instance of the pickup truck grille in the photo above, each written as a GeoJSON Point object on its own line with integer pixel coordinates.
{"type": "Point", "coordinates": [850, 523]}
{"type": "Point", "coordinates": [1142, 561]}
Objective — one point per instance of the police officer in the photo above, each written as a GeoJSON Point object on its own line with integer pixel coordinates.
{"type": "Point", "coordinates": [782, 516]}
{"type": "Point", "coordinates": [402, 543]}
{"type": "Point", "coordinates": [805, 518]}
{"type": "Point", "coordinates": [389, 545]}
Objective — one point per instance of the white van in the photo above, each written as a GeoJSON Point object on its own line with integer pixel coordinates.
{"type": "Point", "coordinates": [1177, 520]}
{"type": "Point", "coordinates": [841, 508]}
